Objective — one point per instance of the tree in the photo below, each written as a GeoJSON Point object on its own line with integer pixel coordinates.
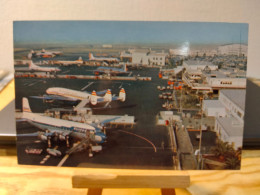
{"type": "Point", "coordinates": [238, 153]}
{"type": "Point", "coordinates": [223, 150]}
{"type": "Point", "coordinates": [232, 163]}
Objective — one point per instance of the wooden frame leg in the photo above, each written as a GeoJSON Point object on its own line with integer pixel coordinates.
{"type": "Point", "coordinates": [95, 191]}
{"type": "Point", "coordinates": [168, 191]}
{"type": "Point", "coordinates": [98, 191]}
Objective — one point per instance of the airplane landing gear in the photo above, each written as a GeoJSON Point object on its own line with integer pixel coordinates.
{"type": "Point", "coordinates": [90, 154]}
{"type": "Point", "coordinates": [49, 141]}
{"type": "Point", "coordinates": [67, 141]}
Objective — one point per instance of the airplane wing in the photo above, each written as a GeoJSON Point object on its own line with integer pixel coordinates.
{"type": "Point", "coordinates": [101, 92]}
{"type": "Point", "coordinates": [114, 98]}
{"type": "Point", "coordinates": [82, 104]}
{"type": "Point", "coordinates": [54, 97]}
{"type": "Point", "coordinates": [47, 132]}
{"type": "Point", "coordinates": [102, 123]}
{"type": "Point", "coordinates": [21, 120]}
{"type": "Point", "coordinates": [102, 99]}
{"type": "Point", "coordinates": [109, 120]}
{"type": "Point", "coordinates": [99, 100]}
{"type": "Point", "coordinates": [35, 134]}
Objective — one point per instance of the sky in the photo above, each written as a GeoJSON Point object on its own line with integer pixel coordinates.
{"type": "Point", "coordinates": [116, 32]}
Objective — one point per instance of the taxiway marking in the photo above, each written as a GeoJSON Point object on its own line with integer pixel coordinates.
{"type": "Point", "coordinates": [63, 160]}
{"type": "Point", "coordinates": [155, 150]}
{"type": "Point", "coordinates": [87, 86]}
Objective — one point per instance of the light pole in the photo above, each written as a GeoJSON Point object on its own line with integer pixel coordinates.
{"type": "Point", "coordinates": [199, 154]}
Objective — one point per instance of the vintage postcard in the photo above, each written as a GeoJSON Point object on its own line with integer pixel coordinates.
{"type": "Point", "coordinates": [130, 94]}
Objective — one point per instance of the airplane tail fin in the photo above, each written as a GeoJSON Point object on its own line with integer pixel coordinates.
{"type": "Point", "coordinates": [29, 56]}
{"type": "Point", "coordinates": [90, 56]}
{"type": "Point", "coordinates": [80, 59]}
{"type": "Point", "coordinates": [122, 95]}
{"type": "Point", "coordinates": [108, 96]}
{"type": "Point", "coordinates": [32, 65]}
{"type": "Point", "coordinates": [93, 98]}
{"type": "Point", "coordinates": [26, 106]}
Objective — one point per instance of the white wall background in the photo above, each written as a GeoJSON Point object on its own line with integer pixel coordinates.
{"type": "Point", "coordinates": [246, 11]}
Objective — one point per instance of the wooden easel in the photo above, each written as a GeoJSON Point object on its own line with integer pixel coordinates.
{"type": "Point", "coordinates": [96, 183]}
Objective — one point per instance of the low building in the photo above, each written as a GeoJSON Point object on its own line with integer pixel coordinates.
{"type": "Point", "coordinates": [230, 130]}
{"type": "Point", "coordinates": [215, 80]}
{"type": "Point", "coordinates": [126, 56]}
{"type": "Point", "coordinates": [234, 102]}
{"type": "Point", "coordinates": [213, 108]}
{"type": "Point", "coordinates": [149, 58]}
{"type": "Point", "coordinates": [164, 117]}
{"type": "Point", "coordinates": [183, 51]}
{"type": "Point", "coordinates": [204, 52]}
{"type": "Point", "coordinates": [142, 57]}
{"type": "Point", "coordinates": [233, 49]}
{"type": "Point", "coordinates": [198, 65]}
{"type": "Point", "coordinates": [230, 127]}
{"type": "Point", "coordinates": [220, 80]}
{"type": "Point", "coordinates": [186, 51]}
{"type": "Point", "coordinates": [107, 46]}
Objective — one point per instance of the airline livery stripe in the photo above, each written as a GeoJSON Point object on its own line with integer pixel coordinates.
{"type": "Point", "coordinates": [70, 96]}
{"type": "Point", "coordinates": [72, 128]}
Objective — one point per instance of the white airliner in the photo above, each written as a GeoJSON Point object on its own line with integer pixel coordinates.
{"type": "Point", "coordinates": [62, 129]}
{"type": "Point", "coordinates": [45, 54]}
{"type": "Point", "coordinates": [74, 95]}
{"type": "Point", "coordinates": [34, 67]}
{"type": "Point", "coordinates": [64, 62]}
{"type": "Point", "coordinates": [112, 71]}
{"type": "Point", "coordinates": [102, 59]}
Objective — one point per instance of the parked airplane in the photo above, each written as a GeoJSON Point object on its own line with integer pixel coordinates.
{"type": "Point", "coordinates": [34, 68]}
{"type": "Point", "coordinates": [62, 129]}
{"type": "Point", "coordinates": [102, 59]}
{"type": "Point", "coordinates": [64, 94]}
{"type": "Point", "coordinates": [63, 62]}
{"type": "Point", "coordinates": [112, 71]}
{"type": "Point", "coordinates": [44, 54]}
{"type": "Point", "coordinates": [57, 53]}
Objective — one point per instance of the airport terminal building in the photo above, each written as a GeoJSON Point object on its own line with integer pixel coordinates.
{"type": "Point", "coordinates": [214, 80]}
{"type": "Point", "coordinates": [144, 57]}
